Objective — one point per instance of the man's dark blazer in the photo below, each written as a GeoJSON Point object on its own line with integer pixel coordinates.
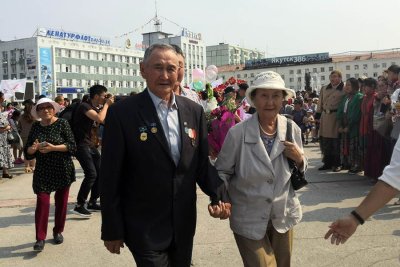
{"type": "Point", "coordinates": [146, 199]}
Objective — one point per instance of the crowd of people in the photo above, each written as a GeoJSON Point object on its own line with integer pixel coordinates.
{"type": "Point", "coordinates": [233, 140]}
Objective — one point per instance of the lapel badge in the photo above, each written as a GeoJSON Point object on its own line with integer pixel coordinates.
{"type": "Point", "coordinates": [185, 123]}
{"type": "Point", "coordinates": [186, 130]}
{"type": "Point", "coordinates": [143, 136]}
{"type": "Point", "coordinates": [153, 128]}
{"type": "Point", "coordinates": [190, 133]}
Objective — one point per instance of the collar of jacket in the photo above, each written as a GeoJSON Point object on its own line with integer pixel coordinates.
{"type": "Point", "coordinates": [339, 87]}
{"type": "Point", "coordinates": [252, 135]}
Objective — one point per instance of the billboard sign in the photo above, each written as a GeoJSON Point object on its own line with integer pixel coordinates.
{"type": "Point", "coordinates": [46, 71]}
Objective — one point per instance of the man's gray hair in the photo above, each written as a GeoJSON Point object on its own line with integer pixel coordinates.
{"type": "Point", "coordinates": [153, 47]}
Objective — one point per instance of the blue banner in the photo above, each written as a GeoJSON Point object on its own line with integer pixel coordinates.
{"type": "Point", "coordinates": [46, 71]}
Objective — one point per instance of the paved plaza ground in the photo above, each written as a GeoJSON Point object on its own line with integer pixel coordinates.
{"type": "Point", "coordinates": [328, 196]}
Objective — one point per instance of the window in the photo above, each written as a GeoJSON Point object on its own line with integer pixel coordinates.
{"type": "Point", "coordinates": [384, 65]}
{"type": "Point", "coordinates": [356, 75]}
{"type": "Point", "coordinates": [347, 67]}
{"type": "Point", "coordinates": [375, 74]}
{"type": "Point", "coordinates": [238, 75]}
{"type": "Point", "coordinates": [298, 71]}
{"type": "Point", "coordinates": [22, 75]}
{"type": "Point", "coordinates": [322, 69]}
{"type": "Point", "coordinates": [314, 70]}
{"type": "Point", "coordinates": [68, 53]}
{"type": "Point", "coordinates": [245, 75]}
{"type": "Point", "coordinates": [58, 52]}
{"type": "Point", "coordinates": [299, 79]}
{"type": "Point", "coordinates": [78, 69]}
{"type": "Point", "coordinates": [347, 76]}
{"type": "Point", "coordinates": [356, 67]}
{"type": "Point", "coordinates": [322, 78]}
{"type": "Point", "coordinates": [59, 82]}
{"type": "Point", "coordinates": [283, 77]}
{"type": "Point", "coordinates": [330, 68]}
{"type": "Point", "coordinates": [365, 66]}
{"type": "Point", "coordinates": [307, 70]}
{"type": "Point", "coordinates": [376, 65]}
{"type": "Point", "coordinates": [291, 80]}
{"type": "Point", "coordinates": [291, 71]}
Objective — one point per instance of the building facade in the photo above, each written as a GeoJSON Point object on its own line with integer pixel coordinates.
{"type": "Point", "coordinates": [191, 44]}
{"type": "Point", "coordinates": [293, 70]}
{"type": "Point", "coordinates": [226, 54]}
{"type": "Point", "coordinates": [66, 63]}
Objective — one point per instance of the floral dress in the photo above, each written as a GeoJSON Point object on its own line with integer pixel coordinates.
{"type": "Point", "coordinates": [6, 157]}
{"type": "Point", "coordinates": [54, 170]}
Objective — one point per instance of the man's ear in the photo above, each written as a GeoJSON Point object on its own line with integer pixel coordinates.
{"type": "Point", "coordinates": [142, 72]}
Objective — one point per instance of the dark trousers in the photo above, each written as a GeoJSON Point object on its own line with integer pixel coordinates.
{"type": "Point", "coordinates": [330, 148]}
{"type": "Point", "coordinates": [42, 212]}
{"type": "Point", "coordinates": [173, 256]}
{"type": "Point", "coordinates": [89, 158]}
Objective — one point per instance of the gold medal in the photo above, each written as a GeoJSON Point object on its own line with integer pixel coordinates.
{"type": "Point", "coordinates": [143, 136]}
{"type": "Point", "coordinates": [153, 130]}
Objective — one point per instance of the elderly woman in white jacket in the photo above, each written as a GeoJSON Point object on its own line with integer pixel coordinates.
{"type": "Point", "coordinates": [254, 165]}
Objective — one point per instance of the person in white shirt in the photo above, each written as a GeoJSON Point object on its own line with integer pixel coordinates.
{"type": "Point", "coordinates": [387, 187]}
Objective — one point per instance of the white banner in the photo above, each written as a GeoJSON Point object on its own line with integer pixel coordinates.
{"type": "Point", "coordinates": [10, 87]}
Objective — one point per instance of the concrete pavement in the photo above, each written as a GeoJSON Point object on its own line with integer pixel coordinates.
{"type": "Point", "coordinates": [328, 196]}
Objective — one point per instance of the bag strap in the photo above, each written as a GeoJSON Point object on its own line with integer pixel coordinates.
{"type": "Point", "coordinates": [289, 138]}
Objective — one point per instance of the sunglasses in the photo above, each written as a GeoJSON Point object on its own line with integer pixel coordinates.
{"type": "Point", "coordinates": [44, 107]}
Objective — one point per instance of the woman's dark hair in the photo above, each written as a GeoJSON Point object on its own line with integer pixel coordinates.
{"type": "Point", "coordinates": [27, 112]}
{"type": "Point", "coordinates": [85, 99]}
{"type": "Point", "coordinates": [16, 113]}
{"type": "Point", "coordinates": [253, 94]}
{"type": "Point", "coordinates": [355, 86]}
{"type": "Point", "coordinates": [371, 82]}
{"type": "Point", "coordinates": [1, 94]}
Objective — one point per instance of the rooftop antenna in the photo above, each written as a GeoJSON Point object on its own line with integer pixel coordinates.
{"type": "Point", "coordinates": [157, 21]}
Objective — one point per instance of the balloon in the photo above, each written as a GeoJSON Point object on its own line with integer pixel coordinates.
{"type": "Point", "coordinates": [198, 74]}
{"type": "Point", "coordinates": [212, 67]}
{"type": "Point", "coordinates": [211, 73]}
{"type": "Point", "coordinates": [198, 86]}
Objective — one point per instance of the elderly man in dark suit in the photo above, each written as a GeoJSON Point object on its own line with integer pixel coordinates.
{"type": "Point", "coordinates": [154, 151]}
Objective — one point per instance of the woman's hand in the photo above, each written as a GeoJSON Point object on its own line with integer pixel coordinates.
{"type": "Point", "coordinates": [45, 147]}
{"type": "Point", "coordinates": [293, 152]}
{"type": "Point", "coordinates": [222, 210]}
{"type": "Point", "coordinates": [5, 129]}
{"type": "Point", "coordinates": [34, 147]}
{"type": "Point", "coordinates": [341, 230]}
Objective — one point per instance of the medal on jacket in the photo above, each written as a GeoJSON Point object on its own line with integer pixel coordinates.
{"type": "Point", "coordinates": [153, 128]}
{"type": "Point", "coordinates": [143, 133]}
{"type": "Point", "coordinates": [143, 136]}
{"type": "Point", "coordinates": [192, 135]}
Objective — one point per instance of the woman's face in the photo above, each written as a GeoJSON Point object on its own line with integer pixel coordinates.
{"type": "Point", "coordinates": [268, 101]}
{"type": "Point", "coordinates": [45, 111]}
{"type": "Point", "coordinates": [347, 88]}
{"type": "Point", "coordinates": [368, 90]}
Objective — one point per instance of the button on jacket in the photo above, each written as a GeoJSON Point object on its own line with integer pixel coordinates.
{"type": "Point", "coordinates": [259, 184]}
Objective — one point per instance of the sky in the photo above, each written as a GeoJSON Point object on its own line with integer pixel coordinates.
{"type": "Point", "coordinates": [278, 28]}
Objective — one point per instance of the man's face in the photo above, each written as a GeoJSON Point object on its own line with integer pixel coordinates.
{"type": "Point", "coordinates": [161, 71]}
{"type": "Point", "coordinates": [335, 79]}
{"type": "Point", "coordinates": [181, 71]}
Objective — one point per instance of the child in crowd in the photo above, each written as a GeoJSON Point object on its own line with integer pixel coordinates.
{"type": "Point", "coordinates": [309, 123]}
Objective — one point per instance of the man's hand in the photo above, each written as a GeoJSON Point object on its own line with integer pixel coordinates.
{"type": "Point", "coordinates": [114, 246]}
{"type": "Point", "coordinates": [222, 210]}
{"type": "Point", "coordinates": [342, 229]}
